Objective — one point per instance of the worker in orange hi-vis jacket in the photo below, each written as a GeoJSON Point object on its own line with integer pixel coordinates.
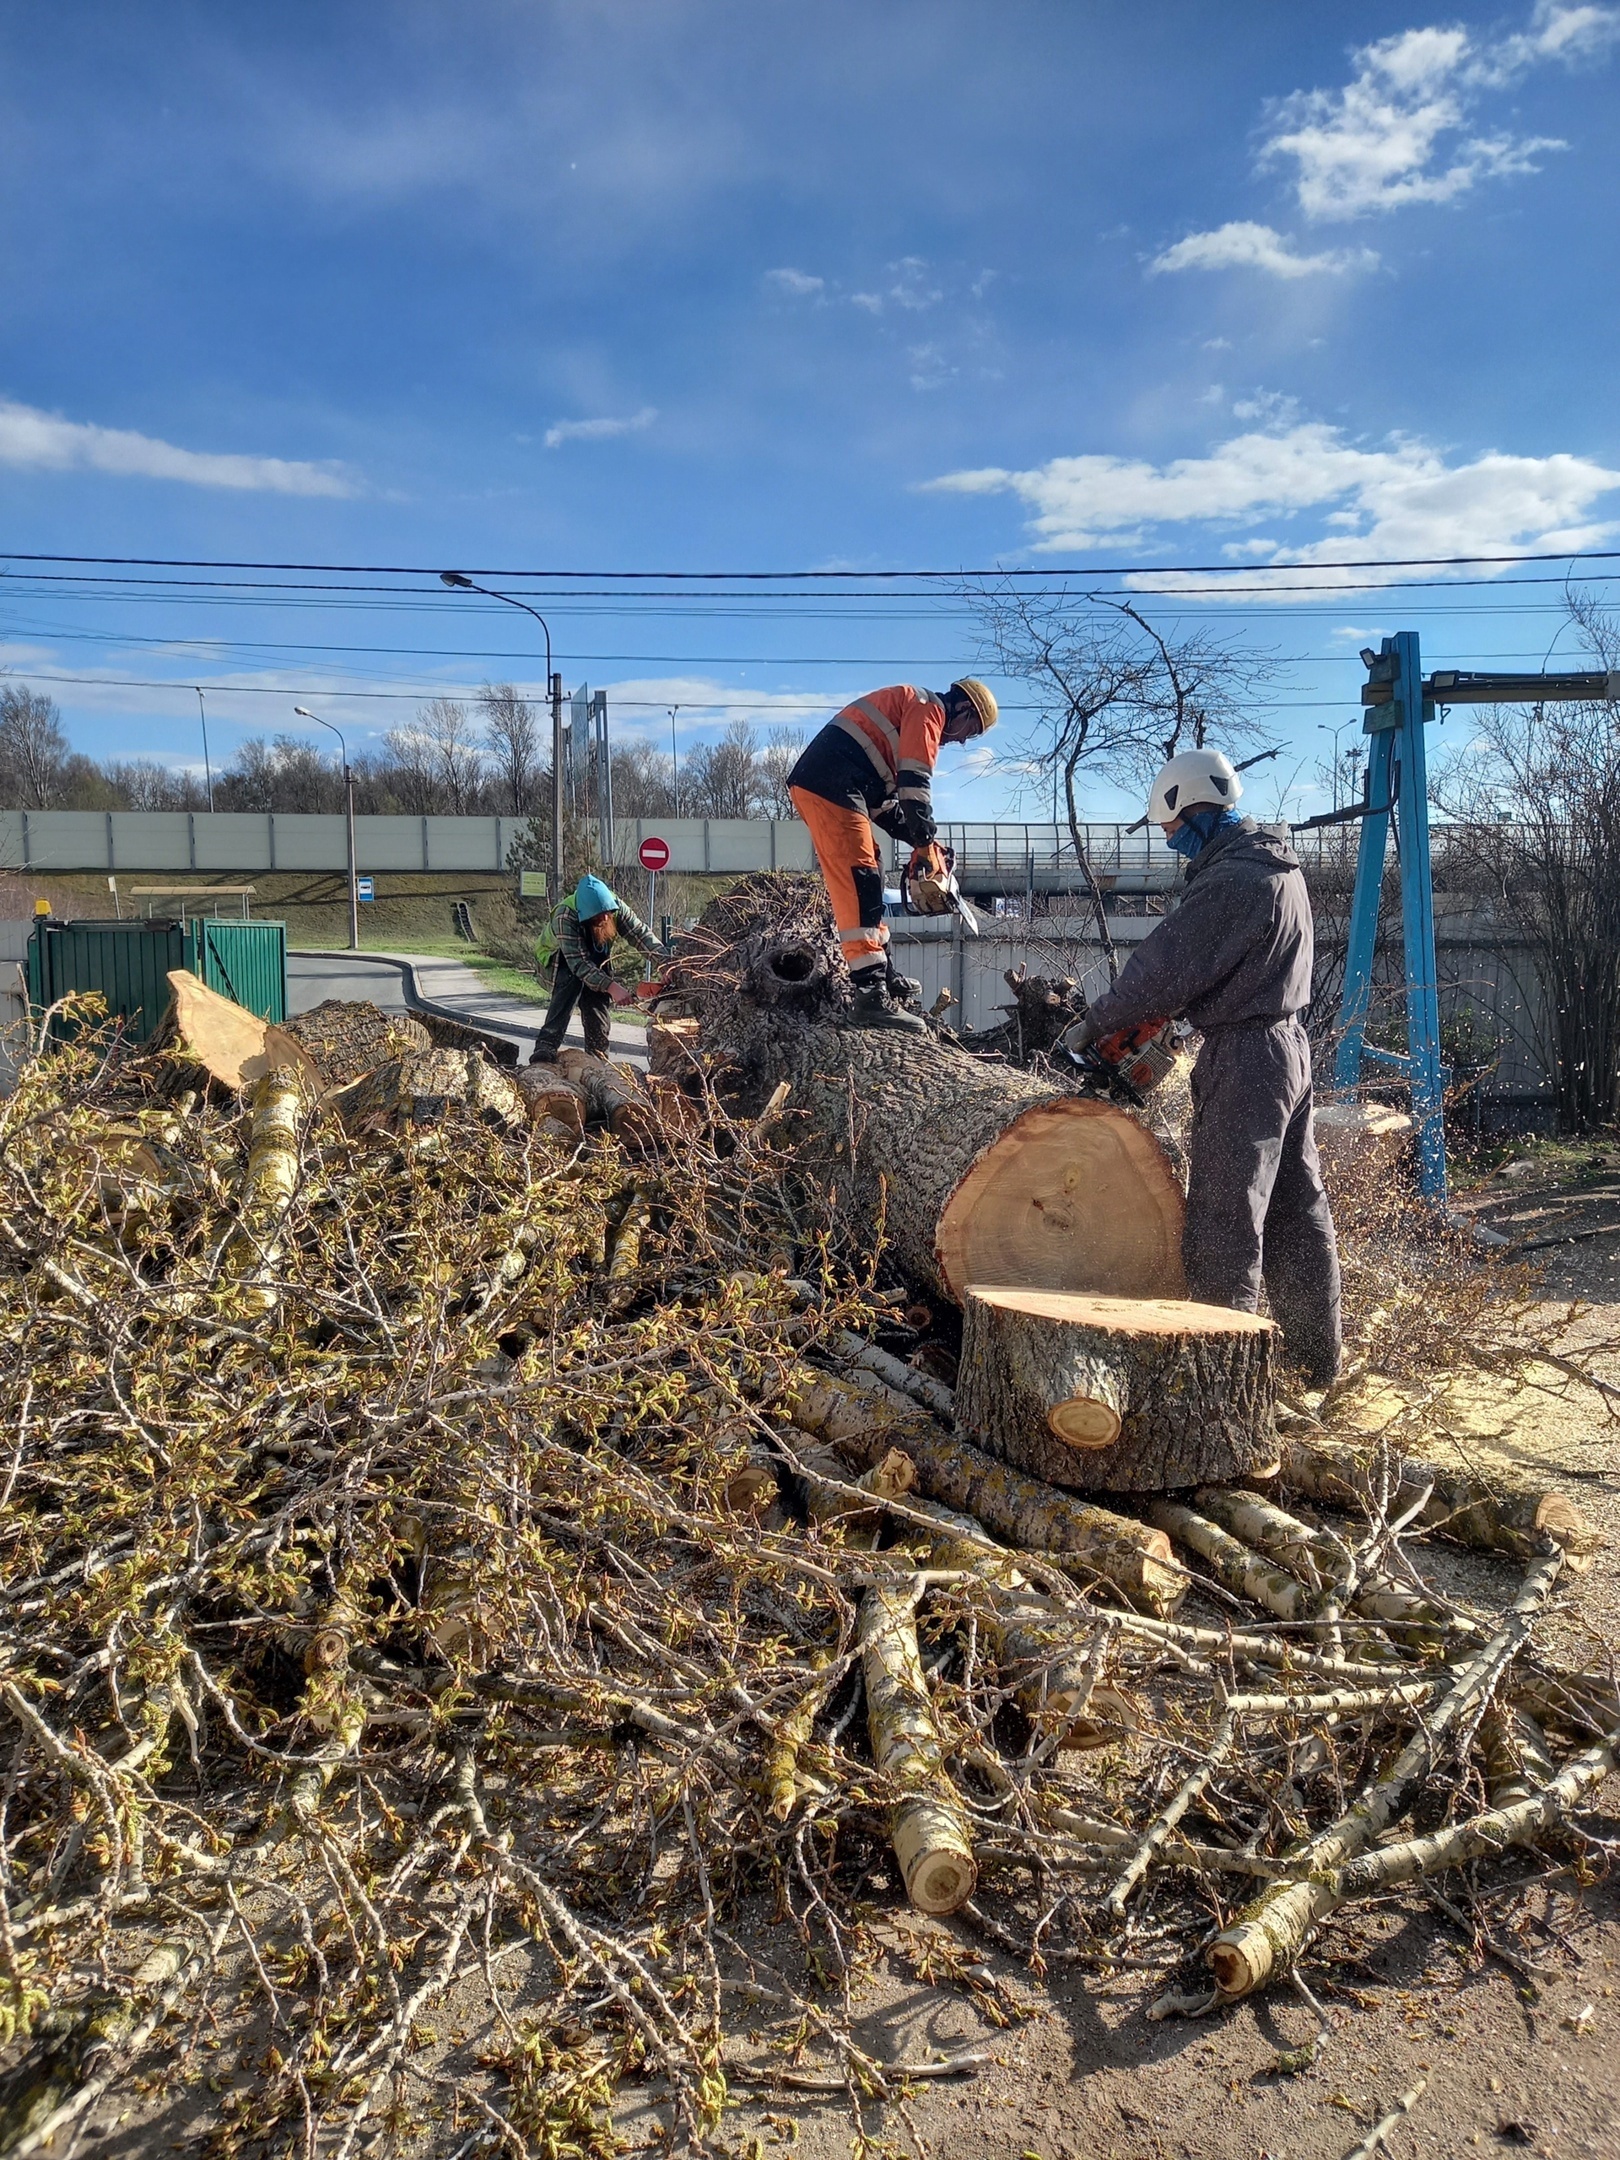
{"type": "Point", "coordinates": [874, 765]}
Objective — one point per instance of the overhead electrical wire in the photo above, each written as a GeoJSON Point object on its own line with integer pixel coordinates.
{"type": "Point", "coordinates": [782, 577]}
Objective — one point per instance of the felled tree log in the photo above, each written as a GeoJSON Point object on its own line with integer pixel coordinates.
{"type": "Point", "coordinates": [1108, 1394]}
{"type": "Point", "coordinates": [974, 1171]}
{"type": "Point", "coordinates": [548, 1093]}
{"type": "Point", "coordinates": [349, 1036]}
{"type": "Point", "coordinates": [927, 1824]}
{"type": "Point", "coordinates": [269, 1182]}
{"type": "Point", "coordinates": [222, 1040]}
{"type": "Point", "coordinates": [672, 1049]}
{"type": "Point", "coordinates": [1461, 1505]}
{"type": "Point", "coordinates": [612, 1095]}
{"type": "Point", "coordinates": [862, 1418]}
{"type": "Point", "coordinates": [419, 1088]}
{"type": "Point", "coordinates": [1053, 1664]}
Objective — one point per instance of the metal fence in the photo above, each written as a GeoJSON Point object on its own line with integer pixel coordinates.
{"type": "Point", "coordinates": [1492, 1007]}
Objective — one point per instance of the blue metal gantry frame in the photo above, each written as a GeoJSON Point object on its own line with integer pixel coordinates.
{"type": "Point", "coordinates": [1397, 779]}
{"type": "Point", "coordinates": [1399, 705]}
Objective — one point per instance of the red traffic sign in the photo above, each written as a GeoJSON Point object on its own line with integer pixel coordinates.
{"type": "Point", "coordinates": [654, 853]}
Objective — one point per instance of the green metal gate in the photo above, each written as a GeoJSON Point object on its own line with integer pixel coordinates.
{"type": "Point", "coordinates": [129, 963]}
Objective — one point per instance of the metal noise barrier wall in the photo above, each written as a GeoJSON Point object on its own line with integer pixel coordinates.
{"type": "Point", "coordinates": [128, 964]}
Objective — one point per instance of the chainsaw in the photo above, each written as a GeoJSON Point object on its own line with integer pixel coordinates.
{"type": "Point", "coordinates": [1127, 1065]}
{"type": "Point", "coordinates": [936, 892]}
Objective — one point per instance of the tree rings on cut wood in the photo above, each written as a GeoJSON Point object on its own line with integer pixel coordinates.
{"type": "Point", "coordinates": [1069, 1193]}
{"type": "Point", "coordinates": [1109, 1394]}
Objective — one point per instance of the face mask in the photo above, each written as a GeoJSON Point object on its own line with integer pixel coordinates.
{"type": "Point", "coordinates": [1198, 829]}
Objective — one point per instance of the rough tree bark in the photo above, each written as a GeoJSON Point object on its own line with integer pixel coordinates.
{"type": "Point", "coordinates": [973, 1171]}
{"type": "Point", "coordinates": [1106, 1394]}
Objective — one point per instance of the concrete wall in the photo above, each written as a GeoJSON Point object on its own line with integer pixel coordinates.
{"type": "Point", "coordinates": [990, 858]}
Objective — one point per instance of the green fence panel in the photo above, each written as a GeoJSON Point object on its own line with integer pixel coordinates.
{"type": "Point", "coordinates": [129, 963]}
{"type": "Point", "coordinates": [244, 961]}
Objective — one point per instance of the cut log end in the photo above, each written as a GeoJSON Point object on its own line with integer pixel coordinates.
{"type": "Point", "coordinates": [1083, 1422]}
{"type": "Point", "coordinates": [936, 1863]}
{"type": "Point", "coordinates": [1069, 1193]}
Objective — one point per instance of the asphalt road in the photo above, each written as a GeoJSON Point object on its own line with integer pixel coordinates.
{"type": "Point", "coordinates": [314, 977]}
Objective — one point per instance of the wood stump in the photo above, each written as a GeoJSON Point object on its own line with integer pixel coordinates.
{"type": "Point", "coordinates": [1105, 1394]}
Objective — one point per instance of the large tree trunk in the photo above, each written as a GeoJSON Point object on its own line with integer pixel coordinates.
{"type": "Point", "coordinates": [973, 1170]}
{"type": "Point", "coordinates": [1117, 1394]}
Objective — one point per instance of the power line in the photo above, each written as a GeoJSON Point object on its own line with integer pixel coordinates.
{"type": "Point", "coordinates": [760, 709]}
{"type": "Point", "coordinates": [795, 577]}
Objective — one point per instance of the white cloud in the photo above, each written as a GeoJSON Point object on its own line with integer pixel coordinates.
{"type": "Point", "coordinates": [1243, 245]}
{"type": "Point", "coordinates": [567, 431]}
{"type": "Point", "coordinates": [1401, 500]}
{"type": "Point", "coordinates": [47, 442]}
{"type": "Point", "coordinates": [1402, 130]}
{"type": "Point", "coordinates": [798, 284]}
{"type": "Point", "coordinates": [912, 288]}
{"type": "Point", "coordinates": [871, 301]}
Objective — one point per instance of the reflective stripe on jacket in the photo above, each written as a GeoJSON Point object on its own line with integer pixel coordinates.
{"type": "Point", "coordinates": [899, 729]}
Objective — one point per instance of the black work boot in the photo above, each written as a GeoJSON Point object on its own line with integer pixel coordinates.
{"type": "Point", "coordinates": [875, 1008]}
{"type": "Point", "coordinates": [904, 989]}
{"type": "Point", "coordinates": [542, 1054]}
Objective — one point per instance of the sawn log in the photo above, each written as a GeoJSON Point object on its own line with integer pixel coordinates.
{"type": "Point", "coordinates": [969, 1169]}
{"type": "Point", "coordinates": [1104, 1394]}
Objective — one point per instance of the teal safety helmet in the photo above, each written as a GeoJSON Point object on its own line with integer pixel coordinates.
{"type": "Point", "coordinates": [592, 897]}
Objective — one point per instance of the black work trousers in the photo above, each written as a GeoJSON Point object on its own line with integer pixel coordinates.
{"type": "Point", "coordinates": [1256, 1207]}
{"type": "Point", "coordinates": [567, 991]}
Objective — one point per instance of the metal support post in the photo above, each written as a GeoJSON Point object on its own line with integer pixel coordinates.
{"type": "Point", "coordinates": [1397, 776]}
{"type": "Point", "coordinates": [556, 791]}
{"type": "Point", "coordinates": [1356, 995]}
{"type": "Point", "coordinates": [1424, 1069]}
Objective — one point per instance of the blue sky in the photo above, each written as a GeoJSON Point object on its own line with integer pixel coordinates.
{"type": "Point", "coordinates": [684, 284]}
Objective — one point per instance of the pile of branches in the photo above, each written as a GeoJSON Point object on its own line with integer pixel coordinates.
{"type": "Point", "coordinates": [484, 1630]}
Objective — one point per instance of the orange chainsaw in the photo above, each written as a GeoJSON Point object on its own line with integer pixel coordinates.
{"type": "Point", "coordinates": [1128, 1065]}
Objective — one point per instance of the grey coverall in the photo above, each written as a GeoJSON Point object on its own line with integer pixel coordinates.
{"type": "Point", "coordinates": [1235, 958]}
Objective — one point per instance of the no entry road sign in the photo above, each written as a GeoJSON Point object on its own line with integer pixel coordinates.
{"type": "Point", "coordinates": [654, 853]}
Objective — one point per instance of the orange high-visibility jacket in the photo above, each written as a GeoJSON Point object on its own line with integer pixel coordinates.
{"type": "Point", "coordinates": [899, 729]}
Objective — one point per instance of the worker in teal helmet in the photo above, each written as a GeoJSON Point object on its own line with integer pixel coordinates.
{"type": "Point", "coordinates": [586, 928]}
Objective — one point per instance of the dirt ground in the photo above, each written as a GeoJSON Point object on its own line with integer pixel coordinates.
{"type": "Point", "coordinates": [1514, 2034]}
{"type": "Point", "coordinates": [1518, 2048]}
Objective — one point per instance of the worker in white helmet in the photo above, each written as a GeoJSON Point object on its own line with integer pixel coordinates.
{"type": "Point", "coordinates": [1235, 958]}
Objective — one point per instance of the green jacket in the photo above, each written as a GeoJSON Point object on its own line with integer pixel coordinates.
{"type": "Point", "coordinates": [580, 952]}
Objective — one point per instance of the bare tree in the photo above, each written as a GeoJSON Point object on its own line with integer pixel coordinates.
{"type": "Point", "coordinates": [33, 749]}
{"type": "Point", "coordinates": [1116, 694]}
{"type": "Point", "coordinates": [1536, 794]}
{"type": "Point", "coordinates": [776, 761]}
{"type": "Point", "coordinates": [643, 781]}
{"type": "Point", "coordinates": [721, 779]}
{"type": "Point", "coordinates": [142, 784]}
{"type": "Point", "coordinates": [453, 748]}
{"type": "Point", "coordinates": [512, 738]}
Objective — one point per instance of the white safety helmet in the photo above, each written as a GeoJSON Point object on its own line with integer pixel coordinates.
{"type": "Point", "coordinates": [1193, 776]}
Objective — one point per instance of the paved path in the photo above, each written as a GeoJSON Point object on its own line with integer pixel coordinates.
{"type": "Point", "coordinates": [450, 985]}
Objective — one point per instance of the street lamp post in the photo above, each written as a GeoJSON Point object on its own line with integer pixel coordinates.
{"type": "Point", "coordinates": [674, 759]}
{"type": "Point", "coordinates": [459, 583]}
{"type": "Point", "coordinates": [208, 769]}
{"type": "Point", "coordinates": [304, 713]}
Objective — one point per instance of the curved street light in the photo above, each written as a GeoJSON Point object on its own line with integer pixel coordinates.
{"type": "Point", "coordinates": [458, 582]}
{"type": "Point", "coordinates": [303, 713]}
